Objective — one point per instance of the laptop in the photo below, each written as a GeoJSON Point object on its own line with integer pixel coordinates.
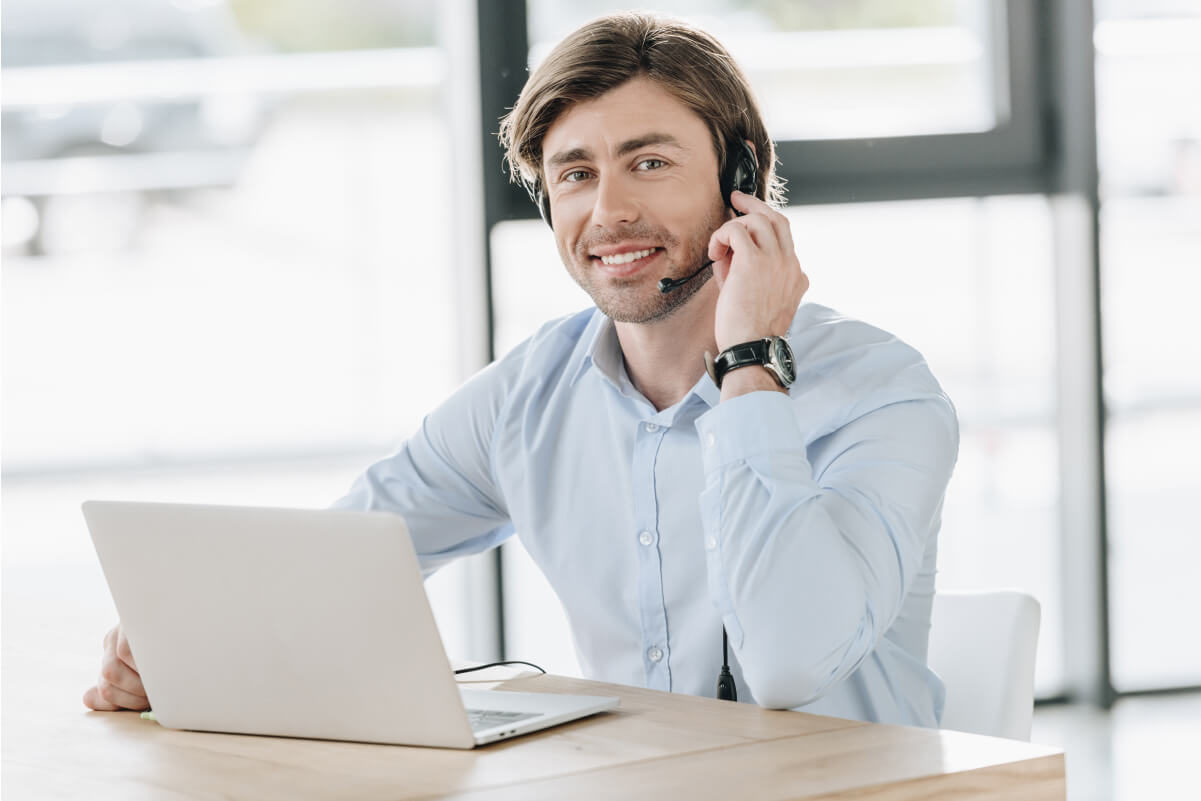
{"type": "Point", "coordinates": [296, 623]}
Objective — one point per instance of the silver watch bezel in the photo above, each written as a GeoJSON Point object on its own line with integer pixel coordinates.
{"type": "Point", "coordinates": [776, 346]}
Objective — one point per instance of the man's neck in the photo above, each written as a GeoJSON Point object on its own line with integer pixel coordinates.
{"type": "Point", "coordinates": [665, 359]}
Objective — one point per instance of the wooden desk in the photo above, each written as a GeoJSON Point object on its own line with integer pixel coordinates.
{"type": "Point", "coordinates": [656, 746]}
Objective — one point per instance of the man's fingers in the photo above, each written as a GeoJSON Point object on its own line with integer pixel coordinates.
{"type": "Point", "coordinates": [753, 207]}
{"type": "Point", "coordinates": [745, 234]}
{"type": "Point", "coordinates": [121, 699]}
{"type": "Point", "coordinates": [124, 653]}
{"type": "Point", "coordinates": [117, 674]}
{"type": "Point", "coordinates": [745, 203]}
{"type": "Point", "coordinates": [730, 237]}
{"type": "Point", "coordinates": [119, 685]}
{"type": "Point", "coordinates": [93, 700]}
{"type": "Point", "coordinates": [760, 228]}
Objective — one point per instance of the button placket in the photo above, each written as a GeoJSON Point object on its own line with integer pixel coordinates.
{"type": "Point", "coordinates": [651, 605]}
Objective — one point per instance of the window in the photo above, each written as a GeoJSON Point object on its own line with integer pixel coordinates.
{"type": "Point", "coordinates": [215, 262]}
{"type": "Point", "coordinates": [843, 70]}
{"type": "Point", "coordinates": [1149, 138]}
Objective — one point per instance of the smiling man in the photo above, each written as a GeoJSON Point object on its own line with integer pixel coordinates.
{"type": "Point", "coordinates": [701, 458]}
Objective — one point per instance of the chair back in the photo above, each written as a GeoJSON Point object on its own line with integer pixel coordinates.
{"type": "Point", "coordinates": [982, 645]}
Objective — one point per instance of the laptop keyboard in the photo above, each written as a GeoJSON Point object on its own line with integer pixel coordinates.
{"type": "Point", "coordinates": [487, 718]}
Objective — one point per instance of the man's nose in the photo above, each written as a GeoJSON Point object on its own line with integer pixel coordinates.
{"type": "Point", "coordinates": [614, 203]}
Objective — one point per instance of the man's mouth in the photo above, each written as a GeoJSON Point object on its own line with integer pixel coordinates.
{"type": "Point", "coordinates": [626, 258]}
{"type": "Point", "coordinates": [628, 261]}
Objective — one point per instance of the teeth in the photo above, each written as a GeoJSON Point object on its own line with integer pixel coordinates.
{"type": "Point", "coordinates": [626, 258]}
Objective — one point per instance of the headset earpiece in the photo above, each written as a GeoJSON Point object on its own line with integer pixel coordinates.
{"type": "Point", "coordinates": [741, 172]}
{"type": "Point", "coordinates": [542, 201]}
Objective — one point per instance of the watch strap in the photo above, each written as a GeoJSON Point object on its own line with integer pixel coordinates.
{"type": "Point", "coordinates": [743, 354]}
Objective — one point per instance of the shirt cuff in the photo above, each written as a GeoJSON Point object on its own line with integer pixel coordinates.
{"type": "Point", "coordinates": [742, 427]}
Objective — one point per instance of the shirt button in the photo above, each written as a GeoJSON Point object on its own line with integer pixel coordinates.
{"type": "Point", "coordinates": [710, 440]}
{"type": "Point", "coordinates": [710, 543]}
{"type": "Point", "coordinates": [652, 427]}
{"type": "Point", "coordinates": [654, 654]}
{"type": "Point", "coordinates": [646, 538]}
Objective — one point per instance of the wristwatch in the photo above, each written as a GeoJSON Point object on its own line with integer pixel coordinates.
{"type": "Point", "coordinates": [770, 352]}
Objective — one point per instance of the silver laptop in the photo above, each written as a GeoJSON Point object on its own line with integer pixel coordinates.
{"type": "Point", "coordinates": [296, 623]}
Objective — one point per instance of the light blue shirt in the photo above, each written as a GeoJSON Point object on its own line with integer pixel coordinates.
{"type": "Point", "coordinates": [807, 523]}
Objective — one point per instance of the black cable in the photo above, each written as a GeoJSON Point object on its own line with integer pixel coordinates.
{"type": "Point", "coordinates": [726, 689]}
{"type": "Point", "coordinates": [498, 664]}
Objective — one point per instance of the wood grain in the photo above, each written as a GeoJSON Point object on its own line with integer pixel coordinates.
{"type": "Point", "coordinates": [869, 761]}
{"type": "Point", "coordinates": [655, 743]}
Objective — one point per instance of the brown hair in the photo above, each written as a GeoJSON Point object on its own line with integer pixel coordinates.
{"type": "Point", "coordinates": [604, 54]}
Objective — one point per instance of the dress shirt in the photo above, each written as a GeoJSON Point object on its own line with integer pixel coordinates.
{"type": "Point", "coordinates": [806, 522]}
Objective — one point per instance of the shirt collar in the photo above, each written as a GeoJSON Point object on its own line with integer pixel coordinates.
{"type": "Point", "coordinates": [707, 391]}
{"type": "Point", "coordinates": [600, 349]}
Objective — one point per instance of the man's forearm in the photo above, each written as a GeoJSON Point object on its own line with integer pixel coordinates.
{"type": "Point", "coordinates": [830, 549]}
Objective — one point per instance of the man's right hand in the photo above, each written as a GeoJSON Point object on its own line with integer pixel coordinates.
{"type": "Point", "coordinates": [119, 685]}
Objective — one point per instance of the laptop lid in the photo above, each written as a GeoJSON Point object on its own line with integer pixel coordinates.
{"type": "Point", "coordinates": [297, 623]}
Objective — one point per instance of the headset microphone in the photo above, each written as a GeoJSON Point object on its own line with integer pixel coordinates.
{"type": "Point", "coordinates": [671, 284]}
{"type": "Point", "coordinates": [741, 173]}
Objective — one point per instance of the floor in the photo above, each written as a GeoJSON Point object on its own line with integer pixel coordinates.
{"type": "Point", "coordinates": [1146, 747]}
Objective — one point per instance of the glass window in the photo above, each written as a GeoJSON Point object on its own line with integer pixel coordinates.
{"type": "Point", "coordinates": [823, 70]}
{"type": "Point", "coordinates": [1149, 141]}
{"type": "Point", "coordinates": [229, 272]}
{"type": "Point", "coordinates": [215, 261]}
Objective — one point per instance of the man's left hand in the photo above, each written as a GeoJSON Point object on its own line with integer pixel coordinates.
{"type": "Point", "coordinates": [759, 278]}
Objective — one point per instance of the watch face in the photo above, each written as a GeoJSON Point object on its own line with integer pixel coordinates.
{"type": "Point", "coordinates": [782, 354]}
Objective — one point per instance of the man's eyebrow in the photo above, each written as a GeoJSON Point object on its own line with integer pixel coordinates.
{"type": "Point", "coordinates": [569, 157]}
{"type": "Point", "coordinates": [625, 148]}
{"type": "Point", "coordinates": [646, 140]}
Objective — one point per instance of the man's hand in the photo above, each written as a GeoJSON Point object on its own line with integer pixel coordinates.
{"type": "Point", "coordinates": [759, 277]}
{"type": "Point", "coordinates": [119, 685]}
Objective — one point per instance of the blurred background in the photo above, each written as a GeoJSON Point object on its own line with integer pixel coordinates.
{"type": "Point", "coordinates": [226, 223]}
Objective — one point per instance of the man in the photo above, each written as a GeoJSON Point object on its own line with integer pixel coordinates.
{"type": "Point", "coordinates": [667, 502]}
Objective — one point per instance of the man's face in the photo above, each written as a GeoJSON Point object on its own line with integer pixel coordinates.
{"type": "Point", "coordinates": [634, 195]}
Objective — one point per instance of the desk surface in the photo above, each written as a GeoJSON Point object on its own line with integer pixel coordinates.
{"type": "Point", "coordinates": [654, 746]}
{"type": "Point", "coordinates": [666, 747]}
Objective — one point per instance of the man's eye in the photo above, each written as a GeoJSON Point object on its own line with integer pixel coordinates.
{"type": "Point", "coordinates": [575, 176]}
{"type": "Point", "coordinates": [651, 164]}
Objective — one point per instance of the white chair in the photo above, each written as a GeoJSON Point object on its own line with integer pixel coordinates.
{"type": "Point", "coordinates": [982, 644]}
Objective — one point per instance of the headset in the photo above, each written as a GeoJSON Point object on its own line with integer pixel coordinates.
{"type": "Point", "coordinates": [740, 173]}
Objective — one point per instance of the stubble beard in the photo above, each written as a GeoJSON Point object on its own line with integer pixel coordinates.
{"type": "Point", "coordinates": [637, 300]}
